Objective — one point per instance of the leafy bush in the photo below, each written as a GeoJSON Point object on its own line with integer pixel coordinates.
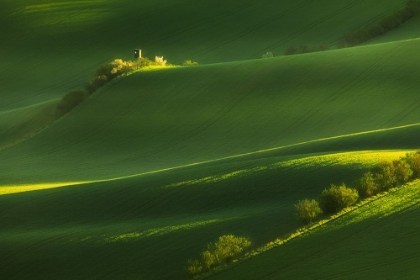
{"type": "Point", "coordinates": [268, 55]}
{"type": "Point", "coordinates": [390, 174]}
{"type": "Point", "coordinates": [385, 176]}
{"type": "Point", "coordinates": [144, 61]}
{"type": "Point", "coordinates": [224, 250]}
{"type": "Point", "coordinates": [189, 63]}
{"type": "Point", "coordinates": [291, 50]}
{"type": "Point", "coordinates": [307, 49]}
{"type": "Point", "coordinates": [160, 61]}
{"type": "Point", "coordinates": [69, 101]}
{"type": "Point", "coordinates": [367, 185]}
{"type": "Point", "coordinates": [337, 198]}
{"type": "Point", "coordinates": [307, 210]}
{"type": "Point", "coordinates": [402, 171]}
{"type": "Point", "coordinates": [120, 67]}
{"type": "Point", "coordinates": [95, 83]}
{"type": "Point", "coordinates": [193, 268]}
{"type": "Point", "coordinates": [109, 71]}
{"type": "Point", "coordinates": [413, 160]}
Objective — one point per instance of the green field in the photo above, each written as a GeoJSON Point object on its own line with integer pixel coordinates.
{"type": "Point", "coordinates": [377, 239]}
{"type": "Point", "coordinates": [51, 47]}
{"type": "Point", "coordinates": [139, 177]}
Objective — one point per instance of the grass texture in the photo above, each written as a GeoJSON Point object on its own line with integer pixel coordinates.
{"type": "Point", "coordinates": [379, 238]}
{"type": "Point", "coordinates": [156, 120]}
{"type": "Point", "coordinates": [51, 47]}
{"type": "Point", "coordinates": [139, 177]}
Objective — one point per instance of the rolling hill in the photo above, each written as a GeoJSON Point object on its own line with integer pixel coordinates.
{"type": "Point", "coordinates": [162, 119]}
{"type": "Point", "coordinates": [52, 47]}
{"type": "Point", "coordinates": [140, 176]}
{"type": "Point", "coordinates": [377, 239]}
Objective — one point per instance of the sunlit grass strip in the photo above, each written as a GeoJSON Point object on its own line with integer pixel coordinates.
{"type": "Point", "coordinates": [368, 158]}
{"type": "Point", "coordinates": [59, 5]}
{"type": "Point", "coordinates": [380, 206]}
{"type": "Point", "coordinates": [13, 189]}
{"type": "Point", "coordinates": [365, 158]}
{"type": "Point", "coordinates": [133, 236]}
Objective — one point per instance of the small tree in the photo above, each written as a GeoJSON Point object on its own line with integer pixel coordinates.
{"type": "Point", "coordinates": [95, 83]}
{"type": "Point", "coordinates": [268, 55]}
{"type": "Point", "coordinates": [403, 171]}
{"type": "Point", "coordinates": [189, 63]}
{"type": "Point", "coordinates": [69, 101]}
{"type": "Point", "coordinates": [160, 61]}
{"type": "Point", "coordinates": [385, 176]}
{"type": "Point", "coordinates": [291, 50]}
{"type": "Point", "coordinates": [193, 268]}
{"type": "Point", "coordinates": [337, 198]}
{"type": "Point", "coordinates": [224, 250]}
{"type": "Point", "coordinates": [307, 210]}
{"type": "Point", "coordinates": [413, 159]}
{"type": "Point", "coordinates": [120, 67]}
{"type": "Point", "coordinates": [367, 185]}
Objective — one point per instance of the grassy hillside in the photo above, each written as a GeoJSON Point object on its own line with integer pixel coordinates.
{"type": "Point", "coordinates": [377, 239]}
{"type": "Point", "coordinates": [19, 124]}
{"type": "Point", "coordinates": [148, 226]}
{"type": "Point", "coordinates": [52, 47]}
{"type": "Point", "coordinates": [145, 172]}
{"type": "Point", "coordinates": [162, 119]}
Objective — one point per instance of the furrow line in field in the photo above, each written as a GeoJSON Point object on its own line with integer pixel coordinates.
{"type": "Point", "coordinates": [315, 24]}
{"type": "Point", "coordinates": [324, 251]}
{"type": "Point", "coordinates": [330, 98]}
{"type": "Point", "coordinates": [253, 29]}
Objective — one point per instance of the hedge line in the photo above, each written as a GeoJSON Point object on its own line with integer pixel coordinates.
{"type": "Point", "coordinates": [362, 35]}
{"type": "Point", "coordinates": [384, 176]}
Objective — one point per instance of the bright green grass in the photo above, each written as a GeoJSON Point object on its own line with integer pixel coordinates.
{"type": "Point", "coordinates": [377, 240]}
{"type": "Point", "coordinates": [51, 47]}
{"type": "Point", "coordinates": [148, 226]}
{"type": "Point", "coordinates": [162, 119]}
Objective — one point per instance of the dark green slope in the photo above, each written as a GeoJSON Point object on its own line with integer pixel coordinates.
{"type": "Point", "coordinates": [378, 240]}
{"type": "Point", "coordinates": [162, 119]}
{"type": "Point", "coordinates": [52, 47]}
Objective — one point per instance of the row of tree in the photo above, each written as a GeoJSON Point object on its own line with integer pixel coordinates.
{"type": "Point", "coordinates": [384, 176]}
{"type": "Point", "coordinates": [102, 76]}
{"type": "Point", "coordinates": [223, 251]}
{"type": "Point", "coordinates": [362, 35]}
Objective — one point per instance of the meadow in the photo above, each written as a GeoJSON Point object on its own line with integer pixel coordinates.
{"type": "Point", "coordinates": [146, 171]}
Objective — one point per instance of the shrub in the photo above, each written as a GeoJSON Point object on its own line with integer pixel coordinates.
{"type": "Point", "coordinates": [307, 49]}
{"type": "Point", "coordinates": [291, 50]}
{"type": "Point", "coordinates": [144, 61]}
{"type": "Point", "coordinates": [120, 67]}
{"type": "Point", "coordinates": [159, 61]}
{"type": "Point", "coordinates": [268, 55]}
{"type": "Point", "coordinates": [337, 198]}
{"type": "Point", "coordinates": [189, 63]}
{"type": "Point", "coordinates": [367, 185]}
{"type": "Point", "coordinates": [402, 171]}
{"type": "Point", "coordinates": [115, 68]}
{"type": "Point", "coordinates": [385, 176]}
{"type": "Point", "coordinates": [193, 268]}
{"type": "Point", "coordinates": [105, 70]}
{"type": "Point", "coordinates": [224, 250]}
{"type": "Point", "coordinates": [307, 210]}
{"type": "Point", "coordinates": [69, 101]}
{"type": "Point", "coordinates": [95, 83]}
{"type": "Point", "coordinates": [413, 160]}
